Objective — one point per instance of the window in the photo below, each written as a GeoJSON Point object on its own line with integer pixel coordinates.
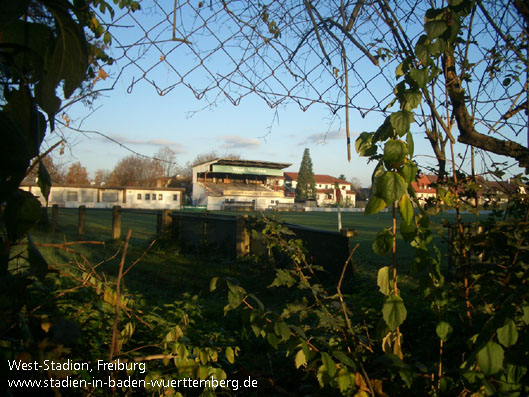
{"type": "Point", "coordinates": [138, 197]}
{"type": "Point", "coordinates": [160, 197]}
{"type": "Point", "coordinates": [343, 187]}
{"type": "Point", "coordinates": [71, 196]}
{"type": "Point", "coordinates": [147, 196]}
{"type": "Point", "coordinates": [109, 196]}
{"type": "Point", "coordinates": [175, 197]}
{"type": "Point", "coordinates": [154, 196]}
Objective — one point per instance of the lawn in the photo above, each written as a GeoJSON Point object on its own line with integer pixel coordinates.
{"type": "Point", "coordinates": [143, 226]}
{"type": "Point", "coordinates": [164, 277]}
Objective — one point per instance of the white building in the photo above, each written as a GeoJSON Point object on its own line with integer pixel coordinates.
{"type": "Point", "coordinates": [107, 197]}
{"type": "Point", "coordinates": [326, 192]}
{"type": "Point", "coordinates": [229, 184]}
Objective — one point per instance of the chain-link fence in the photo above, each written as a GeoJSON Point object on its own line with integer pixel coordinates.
{"type": "Point", "coordinates": [325, 52]}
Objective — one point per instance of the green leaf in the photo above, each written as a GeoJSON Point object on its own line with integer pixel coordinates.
{"type": "Point", "coordinates": [345, 380]}
{"type": "Point", "coordinates": [375, 205]}
{"type": "Point", "coordinates": [525, 316]}
{"type": "Point", "coordinates": [300, 359]}
{"type": "Point", "coordinates": [23, 112]}
{"type": "Point", "coordinates": [37, 263]}
{"type": "Point", "coordinates": [443, 330]}
{"type": "Point", "coordinates": [328, 364]}
{"type": "Point", "coordinates": [391, 186]}
{"type": "Point", "coordinates": [413, 99]}
{"type": "Point", "coordinates": [283, 278]}
{"type": "Point", "coordinates": [384, 132]}
{"type": "Point", "coordinates": [69, 60]}
{"type": "Point", "coordinates": [490, 358]}
{"type": "Point", "coordinates": [281, 329]}
{"type": "Point", "coordinates": [401, 121]}
{"type": "Point", "coordinates": [409, 142]}
{"type": "Point", "coordinates": [44, 180]}
{"type": "Point", "coordinates": [344, 358]}
{"type": "Point", "coordinates": [107, 38]}
{"type": "Point", "coordinates": [420, 76]}
{"type": "Point", "coordinates": [394, 312]}
{"type": "Point", "coordinates": [230, 355]}
{"type": "Point", "coordinates": [406, 209]}
{"type": "Point", "coordinates": [408, 231]}
{"type": "Point", "coordinates": [383, 243]}
{"type": "Point", "coordinates": [395, 152]}
{"type": "Point", "coordinates": [508, 334]}
{"type": "Point", "coordinates": [364, 145]}
{"type": "Point", "coordinates": [383, 280]}
{"type": "Point", "coordinates": [421, 50]}
{"type": "Point", "coordinates": [213, 284]}
{"type": "Point", "coordinates": [436, 48]}
{"type": "Point", "coordinates": [435, 28]}
{"type": "Point", "coordinates": [22, 211]}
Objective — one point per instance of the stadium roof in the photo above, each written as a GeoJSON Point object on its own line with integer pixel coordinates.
{"type": "Point", "coordinates": [248, 163]}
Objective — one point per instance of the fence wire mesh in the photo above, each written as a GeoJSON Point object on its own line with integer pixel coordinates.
{"type": "Point", "coordinates": [295, 51]}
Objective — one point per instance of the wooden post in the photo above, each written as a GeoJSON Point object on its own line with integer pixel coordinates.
{"type": "Point", "coordinates": [166, 219]}
{"type": "Point", "coordinates": [159, 226]}
{"type": "Point", "coordinates": [82, 220]}
{"type": "Point", "coordinates": [116, 222]}
{"type": "Point", "coordinates": [242, 237]}
{"type": "Point", "coordinates": [349, 234]}
{"type": "Point", "coordinates": [205, 226]}
{"type": "Point", "coordinates": [176, 225]}
{"type": "Point", "coordinates": [54, 217]}
{"type": "Point", "coordinates": [163, 221]}
{"type": "Point", "coordinates": [44, 221]}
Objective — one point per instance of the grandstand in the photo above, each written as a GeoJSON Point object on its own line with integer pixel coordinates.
{"type": "Point", "coordinates": [233, 184]}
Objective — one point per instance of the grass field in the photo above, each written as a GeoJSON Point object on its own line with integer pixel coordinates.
{"type": "Point", "coordinates": [143, 226]}
{"type": "Point", "coordinates": [165, 276]}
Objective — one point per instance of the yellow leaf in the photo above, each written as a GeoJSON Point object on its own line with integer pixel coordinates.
{"type": "Point", "coordinates": [102, 74]}
{"type": "Point", "coordinates": [300, 359]}
{"type": "Point", "coordinates": [45, 325]}
{"type": "Point", "coordinates": [361, 393]}
{"type": "Point", "coordinates": [360, 382]}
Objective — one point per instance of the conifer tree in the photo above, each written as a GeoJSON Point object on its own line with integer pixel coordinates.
{"type": "Point", "coordinates": [306, 187]}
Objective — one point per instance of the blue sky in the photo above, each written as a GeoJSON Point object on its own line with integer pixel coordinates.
{"type": "Point", "coordinates": [144, 121]}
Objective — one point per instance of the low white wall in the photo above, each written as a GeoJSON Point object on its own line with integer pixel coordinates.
{"type": "Point", "coordinates": [320, 209]}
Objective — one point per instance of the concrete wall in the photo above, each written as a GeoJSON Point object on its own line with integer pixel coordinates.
{"type": "Point", "coordinates": [230, 234]}
{"type": "Point", "coordinates": [94, 197]}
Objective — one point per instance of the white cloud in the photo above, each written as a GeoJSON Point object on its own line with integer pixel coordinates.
{"type": "Point", "coordinates": [324, 137]}
{"type": "Point", "coordinates": [238, 142]}
{"type": "Point", "coordinates": [176, 146]}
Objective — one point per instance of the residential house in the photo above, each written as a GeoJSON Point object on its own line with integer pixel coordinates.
{"type": "Point", "coordinates": [326, 192]}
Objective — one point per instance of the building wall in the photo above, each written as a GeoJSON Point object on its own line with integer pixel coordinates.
{"type": "Point", "coordinates": [261, 203]}
{"type": "Point", "coordinates": [94, 197]}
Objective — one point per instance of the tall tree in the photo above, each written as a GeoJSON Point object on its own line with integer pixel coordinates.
{"type": "Point", "coordinates": [136, 170]}
{"type": "Point", "coordinates": [205, 157]}
{"type": "Point", "coordinates": [77, 175]}
{"type": "Point", "coordinates": [166, 160]}
{"type": "Point", "coordinates": [101, 177]}
{"type": "Point", "coordinates": [55, 170]}
{"type": "Point", "coordinates": [306, 187]}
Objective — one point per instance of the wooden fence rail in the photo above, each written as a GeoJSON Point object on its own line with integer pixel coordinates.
{"type": "Point", "coordinates": [163, 220]}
